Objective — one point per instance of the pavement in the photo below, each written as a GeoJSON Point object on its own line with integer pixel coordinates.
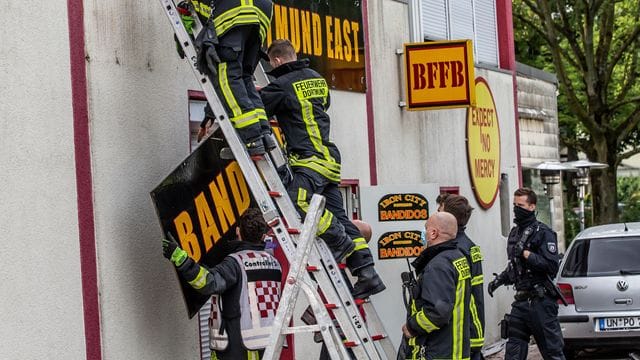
{"type": "Point", "coordinates": [496, 352]}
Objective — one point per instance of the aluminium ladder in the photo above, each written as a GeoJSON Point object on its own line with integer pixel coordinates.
{"type": "Point", "coordinates": [259, 171]}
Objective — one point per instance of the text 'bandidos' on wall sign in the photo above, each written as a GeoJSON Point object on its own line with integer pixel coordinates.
{"type": "Point", "coordinates": [439, 75]}
{"type": "Point", "coordinates": [399, 244]}
{"type": "Point", "coordinates": [483, 145]}
{"type": "Point", "coordinates": [403, 207]}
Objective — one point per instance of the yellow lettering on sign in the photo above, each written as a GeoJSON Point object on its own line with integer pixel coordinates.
{"type": "Point", "coordinates": [210, 232]}
{"type": "Point", "coordinates": [281, 21]}
{"type": "Point", "coordinates": [239, 187]}
{"type": "Point", "coordinates": [306, 32]}
{"type": "Point", "coordinates": [188, 240]}
{"type": "Point", "coordinates": [328, 25]}
{"type": "Point", "coordinates": [346, 29]}
{"type": "Point", "coordinates": [294, 16]}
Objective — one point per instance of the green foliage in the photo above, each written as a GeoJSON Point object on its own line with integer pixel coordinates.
{"type": "Point", "coordinates": [629, 195]}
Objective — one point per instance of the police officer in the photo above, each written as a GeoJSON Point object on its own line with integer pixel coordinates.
{"type": "Point", "coordinates": [437, 324]}
{"type": "Point", "coordinates": [230, 56]}
{"type": "Point", "coordinates": [299, 97]}
{"type": "Point", "coordinates": [246, 285]}
{"type": "Point", "coordinates": [532, 250]}
{"type": "Point", "coordinates": [459, 207]}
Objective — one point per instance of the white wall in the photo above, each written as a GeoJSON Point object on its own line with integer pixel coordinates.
{"type": "Point", "coordinates": [139, 131]}
{"type": "Point", "coordinates": [40, 280]}
{"type": "Point", "coordinates": [429, 146]}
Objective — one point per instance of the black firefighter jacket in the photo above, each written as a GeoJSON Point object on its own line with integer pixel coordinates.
{"type": "Point", "coordinates": [299, 98]}
{"type": "Point", "coordinates": [440, 304]}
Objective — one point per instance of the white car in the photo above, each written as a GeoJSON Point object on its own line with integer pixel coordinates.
{"type": "Point", "coordinates": [600, 279]}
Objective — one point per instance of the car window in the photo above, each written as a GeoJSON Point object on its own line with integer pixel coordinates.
{"type": "Point", "coordinates": [603, 257]}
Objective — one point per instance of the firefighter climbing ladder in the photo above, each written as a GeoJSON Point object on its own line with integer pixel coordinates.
{"type": "Point", "coordinates": [315, 256]}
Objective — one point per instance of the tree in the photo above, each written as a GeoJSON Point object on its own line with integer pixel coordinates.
{"type": "Point", "coordinates": [594, 47]}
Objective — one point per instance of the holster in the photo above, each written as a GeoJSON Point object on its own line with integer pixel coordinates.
{"type": "Point", "coordinates": [205, 44]}
{"type": "Point", "coordinates": [504, 327]}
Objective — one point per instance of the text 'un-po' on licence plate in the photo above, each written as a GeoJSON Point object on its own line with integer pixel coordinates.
{"type": "Point", "coordinates": [619, 323]}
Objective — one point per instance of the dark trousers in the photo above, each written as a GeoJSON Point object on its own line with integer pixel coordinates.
{"type": "Point", "coordinates": [335, 228]}
{"type": "Point", "coordinates": [538, 317]}
{"type": "Point", "coordinates": [239, 50]}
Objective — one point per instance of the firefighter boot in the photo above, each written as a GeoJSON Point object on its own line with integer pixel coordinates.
{"type": "Point", "coordinates": [255, 147]}
{"type": "Point", "coordinates": [268, 141]}
{"type": "Point", "coordinates": [369, 283]}
{"type": "Point", "coordinates": [343, 250]}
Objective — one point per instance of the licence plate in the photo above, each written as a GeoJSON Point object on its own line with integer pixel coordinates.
{"type": "Point", "coordinates": [619, 323]}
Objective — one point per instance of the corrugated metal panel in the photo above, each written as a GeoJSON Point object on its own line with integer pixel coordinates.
{"type": "Point", "coordinates": [434, 19]}
{"type": "Point", "coordinates": [203, 321]}
{"type": "Point", "coordinates": [486, 40]}
{"type": "Point", "coordinates": [461, 19]}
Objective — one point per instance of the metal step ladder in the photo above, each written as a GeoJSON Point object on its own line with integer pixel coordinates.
{"type": "Point", "coordinates": [313, 256]}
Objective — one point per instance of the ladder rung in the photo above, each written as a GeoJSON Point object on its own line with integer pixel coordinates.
{"type": "Point", "coordinates": [293, 231]}
{"type": "Point", "coordinates": [331, 306]}
{"type": "Point", "coordinates": [359, 301]}
{"type": "Point", "coordinates": [275, 194]}
{"type": "Point", "coordinates": [312, 268]}
{"type": "Point", "coordinates": [378, 337]}
{"type": "Point", "coordinates": [274, 222]}
{"type": "Point", "coordinates": [257, 157]}
{"type": "Point", "coordinates": [342, 266]}
{"type": "Point", "coordinates": [350, 344]}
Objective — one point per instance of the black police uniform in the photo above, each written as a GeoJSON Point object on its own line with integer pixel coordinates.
{"type": "Point", "coordinates": [535, 309]}
{"type": "Point", "coordinates": [299, 98]}
{"type": "Point", "coordinates": [241, 27]}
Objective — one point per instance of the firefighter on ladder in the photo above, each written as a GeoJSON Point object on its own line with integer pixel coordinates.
{"type": "Point", "coordinates": [299, 98]}
{"type": "Point", "coordinates": [229, 48]}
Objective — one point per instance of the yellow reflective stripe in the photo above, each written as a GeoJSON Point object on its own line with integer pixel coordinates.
{"type": "Point", "coordinates": [424, 322]}
{"type": "Point", "coordinates": [202, 8]}
{"type": "Point", "coordinates": [261, 114]}
{"type": "Point", "coordinates": [319, 169]}
{"type": "Point", "coordinates": [476, 255]}
{"type": "Point", "coordinates": [474, 316]}
{"type": "Point", "coordinates": [302, 199]}
{"type": "Point", "coordinates": [458, 318]}
{"type": "Point", "coordinates": [252, 355]}
{"type": "Point", "coordinates": [310, 89]}
{"type": "Point", "coordinates": [360, 243]}
{"type": "Point", "coordinates": [214, 355]}
{"type": "Point", "coordinates": [477, 342]}
{"type": "Point", "coordinates": [477, 280]}
{"type": "Point", "coordinates": [416, 349]}
{"type": "Point", "coordinates": [325, 222]}
{"type": "Point", "coordinates": [201, 279]}
{"type": "Point", "coordinates": [247, 119]}
{"type": "Point", "coordinates": [328, 164]}
{"type": "Point", "coordinates": [226, 90]}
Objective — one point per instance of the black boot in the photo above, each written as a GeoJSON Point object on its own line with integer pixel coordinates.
{"type": "Point", "coordinates": [255, 147]}
{"type": "Point", "coordinates": [369, 283]}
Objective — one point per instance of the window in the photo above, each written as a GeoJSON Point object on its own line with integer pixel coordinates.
{"type": "Point", "coordinates": [462, 19]}
{"type": "Point", "coordinates": [594, 258]}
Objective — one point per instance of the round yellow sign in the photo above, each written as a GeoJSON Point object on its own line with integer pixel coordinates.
{"type": "Point", "coordinates": [483, 145]}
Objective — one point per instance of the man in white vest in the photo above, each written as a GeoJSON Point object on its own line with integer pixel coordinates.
{"type": "Point", "coordinates": [245, 289]}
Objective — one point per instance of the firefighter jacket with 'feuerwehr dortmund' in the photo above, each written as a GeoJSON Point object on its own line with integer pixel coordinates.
{"type": "Point", "coordinates": [440, 316]}
{"type": "Point", "coordinates": [246, 293]}
{"type": "Point", "coordinates": [228, 14]}
{"type": "Point", "coordinates": [299, 98]}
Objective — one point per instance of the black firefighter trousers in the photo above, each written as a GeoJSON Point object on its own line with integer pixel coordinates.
{"type": "Point", "coordinates": [538, 317]}
{"type": "Point", "coordinates": [335, 228]}
{"type": "Point", "coordinates": [239, 52]}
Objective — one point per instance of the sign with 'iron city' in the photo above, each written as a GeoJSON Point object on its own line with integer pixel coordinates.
{"type": "Point", "coordinates": [401, 207]}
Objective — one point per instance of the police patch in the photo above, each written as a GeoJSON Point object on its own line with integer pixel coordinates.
{"type": "Point", "coordinates": [551, 247]}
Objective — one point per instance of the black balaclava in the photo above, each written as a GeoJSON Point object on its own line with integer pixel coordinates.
{"type": "Point", "coordinates": [523, 217]}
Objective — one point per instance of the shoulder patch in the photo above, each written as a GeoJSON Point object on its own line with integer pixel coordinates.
{"type": "Point", "coordinates": [476, 255]}
{"type": "Point", "coordinates": [462, 265]}
{"type": "Point", "coordinates": [552, 247]}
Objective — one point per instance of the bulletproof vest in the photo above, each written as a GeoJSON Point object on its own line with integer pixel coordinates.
{"type": "Point", "coordinates": [525, 277]}
{"type": "Point", "coordinates": [258, 300]}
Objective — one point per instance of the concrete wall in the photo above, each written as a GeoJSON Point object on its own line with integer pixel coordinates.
{"type": "Point", "coordinates": [40, 280]}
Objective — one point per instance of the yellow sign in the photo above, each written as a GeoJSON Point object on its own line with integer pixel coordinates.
{"type": "Point", "coordinates": [483, 145]}
{"type": "Point", "coordinates": [438, 75]}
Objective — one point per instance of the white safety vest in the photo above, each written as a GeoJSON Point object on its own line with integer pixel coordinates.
{"type": "Point", "coordinates": [259, 301]}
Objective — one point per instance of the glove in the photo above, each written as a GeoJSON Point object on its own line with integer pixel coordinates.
{"type": "Point", "coordinates": [494, 284]}
{"type": "Point", "coordinates": [172, 251]}
{"type": "Point", "coordinates": [185, 9]}
{"type": "Point", "coordinates": [205, 43]}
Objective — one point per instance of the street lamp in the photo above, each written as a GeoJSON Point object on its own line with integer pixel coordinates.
{"type": "Point", "coordinates": [581, 181]}
{"type": "Point", "coordinates": [550, 175]}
